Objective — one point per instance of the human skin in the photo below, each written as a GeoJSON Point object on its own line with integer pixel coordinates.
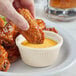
{"type": "Point", "coordinates": [8, 8]}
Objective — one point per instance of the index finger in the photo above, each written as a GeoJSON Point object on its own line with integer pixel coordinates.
{"type": "Point", "coordinates": [29, 4]}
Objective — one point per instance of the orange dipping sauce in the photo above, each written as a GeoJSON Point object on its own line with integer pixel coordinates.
{"type": "Point", "coordinates": [47, 43]}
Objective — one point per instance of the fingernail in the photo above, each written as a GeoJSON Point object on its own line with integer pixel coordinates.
{"type": "Point", "coordinates": [25, 27]}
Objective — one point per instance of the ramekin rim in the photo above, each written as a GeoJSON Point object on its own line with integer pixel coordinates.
{"type": "Point", "coordinates": [58, 44]}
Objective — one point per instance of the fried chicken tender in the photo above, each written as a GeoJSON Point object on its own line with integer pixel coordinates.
{"type": "Point", "coordinates": [34, 34]}
{"type": "Point", "coordinates": [8, 34]}
{"type": "Point", "coordinates": [4, 62]}
{"type": "Point", "coordinates": [13, 53]}
{"type": "Point", "coordinates": [3, 52]}
{"type": "Point", "coordinates": [41, 24]}
{"type": "Point", "coordinates": [7, 39]}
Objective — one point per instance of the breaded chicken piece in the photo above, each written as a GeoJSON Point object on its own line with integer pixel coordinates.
{"type": "Point", "coordinates": [34, 34]}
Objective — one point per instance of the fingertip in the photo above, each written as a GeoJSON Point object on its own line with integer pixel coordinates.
{"type": "Point", "coordinates": [23, 24]}
{"type": "Point", "coordinates": [25, 27]}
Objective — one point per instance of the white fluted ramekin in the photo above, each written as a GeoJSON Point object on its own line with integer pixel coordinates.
{"type": "Point", "coordinates": [40, 57]}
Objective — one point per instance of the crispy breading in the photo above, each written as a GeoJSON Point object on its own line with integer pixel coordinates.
{"type": "Point", "coordinates": [8, 34]}
{"type": "Point", "coordinates": [41, 24]}
{"type": "Point", "coordinates": [4, 62]}
{"type": "Point", "coordinates": [13, 53]}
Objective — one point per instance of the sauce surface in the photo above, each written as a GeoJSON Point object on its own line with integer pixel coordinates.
{"type": "Point", "coordinates": [47, 43]}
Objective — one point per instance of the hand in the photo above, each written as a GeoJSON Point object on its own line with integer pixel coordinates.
{"type": "Point", "coordinates": [8, 9]}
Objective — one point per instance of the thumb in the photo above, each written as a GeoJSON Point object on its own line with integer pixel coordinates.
{"type": "Point", "coordinates": [15, 17]}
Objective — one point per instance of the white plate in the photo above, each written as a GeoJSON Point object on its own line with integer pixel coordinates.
{"type": "Point", "coordinates": [67, 57]}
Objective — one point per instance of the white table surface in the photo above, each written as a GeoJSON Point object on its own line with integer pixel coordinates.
{"type": "Point", "coordinates": [70, 27]}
